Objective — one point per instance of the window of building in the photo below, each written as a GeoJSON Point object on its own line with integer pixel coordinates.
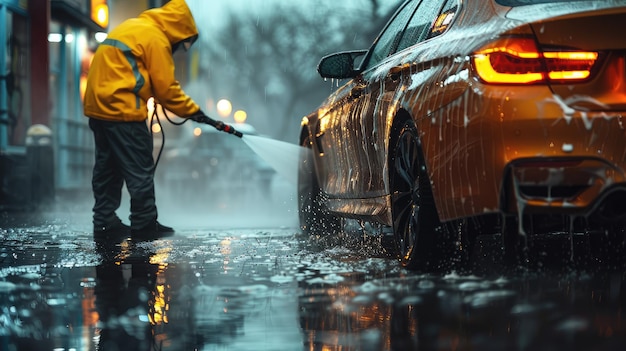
{"type": "Point", "coordinates": [16, 79]}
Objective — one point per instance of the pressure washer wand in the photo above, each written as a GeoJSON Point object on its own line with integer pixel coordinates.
{"type": "Point", "coordinates": [227, 128]}
{"type": "Point", "coordinates": [219, 125]}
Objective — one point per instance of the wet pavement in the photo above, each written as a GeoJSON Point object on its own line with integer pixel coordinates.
{"type": "Point", "coordinates": [223, 285]}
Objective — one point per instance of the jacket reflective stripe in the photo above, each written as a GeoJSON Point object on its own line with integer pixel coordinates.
{"type": "Point", "coordinates": [133, 64]}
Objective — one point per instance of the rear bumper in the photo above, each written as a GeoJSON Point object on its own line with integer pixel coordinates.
{"type": "Point", "coordinates": [584, 186]}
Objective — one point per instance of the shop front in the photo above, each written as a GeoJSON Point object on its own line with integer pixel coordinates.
{"type": "Point", "coordinates": [45, 144]}
{"type": "Point", "coordinates": [15, 114]}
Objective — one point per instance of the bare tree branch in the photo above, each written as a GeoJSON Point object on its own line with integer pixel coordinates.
{"type": "Point", "coordinates": [269, 61]}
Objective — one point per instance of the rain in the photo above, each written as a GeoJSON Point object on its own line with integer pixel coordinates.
{"type": "Point", "coordinates": [241, 274]}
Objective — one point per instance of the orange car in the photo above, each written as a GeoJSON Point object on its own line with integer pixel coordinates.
{"type": "Point", "coordinates": [511, 113]}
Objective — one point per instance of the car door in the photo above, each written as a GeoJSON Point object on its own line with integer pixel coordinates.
{"type": "Point", "coordinates": [390, 80]}
{"type": "Point", "coordinates": [346, 130]}
{"type": "Point", "coordinates": [360, 130]}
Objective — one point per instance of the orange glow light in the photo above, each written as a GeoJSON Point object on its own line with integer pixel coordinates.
{"type": "Point", "coordinates": [240, 116]}
{"type": "Point", "coordinates": [100, 12]}
{"type": "Point", "coordinates": [575, 55]}
{"type": "Point", "coordinates": [519, 61]}
{"type": "Point", "coordinates": [569, 75]}
{"type": "Point", "coordinates": [487, 72]}
{"type": "Point", "coordinates": [156, 128]}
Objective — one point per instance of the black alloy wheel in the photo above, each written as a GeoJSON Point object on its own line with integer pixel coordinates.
{"type": "Point", "coordinates": [415, 219]}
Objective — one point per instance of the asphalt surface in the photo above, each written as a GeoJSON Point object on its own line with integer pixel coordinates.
{"type": "Point", "coordinates": [253, 282]}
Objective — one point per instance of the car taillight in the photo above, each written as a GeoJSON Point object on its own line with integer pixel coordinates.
{"type": "Point", "coordinates": [517, 60]}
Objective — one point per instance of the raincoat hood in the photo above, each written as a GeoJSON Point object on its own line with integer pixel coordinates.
{"type": "Point", "coordinates": [135, 64]}
{"type": "Point", "coordinates": [174, 19]}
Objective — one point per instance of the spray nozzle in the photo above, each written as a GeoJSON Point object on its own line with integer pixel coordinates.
{"type": "Point", "coordinates": [229, 129]}
{"type": "Point", "coordinates": [219, 125]}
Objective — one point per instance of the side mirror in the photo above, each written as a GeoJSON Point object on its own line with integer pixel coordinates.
{"type": "Point", "coordinates": [340, 65]}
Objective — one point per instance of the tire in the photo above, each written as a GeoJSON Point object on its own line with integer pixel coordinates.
{"type": "Point", "coordinates": [315, 219]}
{"type": "Point", "coordinates": [416, 226]}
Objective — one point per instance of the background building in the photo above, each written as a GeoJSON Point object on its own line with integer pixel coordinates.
{"type": "Point", "coordinates": [46, 147]}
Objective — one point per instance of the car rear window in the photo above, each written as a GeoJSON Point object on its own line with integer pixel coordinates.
{"type": "Point", "coordinates": [513, 3]}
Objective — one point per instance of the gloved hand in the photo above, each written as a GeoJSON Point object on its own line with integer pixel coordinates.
{"type": "Point", "coordinates": [200, 117]}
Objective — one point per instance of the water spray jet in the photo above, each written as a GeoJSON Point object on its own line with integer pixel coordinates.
{"type": "Point", "coordinates": [282, 156]}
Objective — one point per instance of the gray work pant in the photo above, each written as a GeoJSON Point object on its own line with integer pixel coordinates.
{"type": "Point", "coordinates": [123, 154]}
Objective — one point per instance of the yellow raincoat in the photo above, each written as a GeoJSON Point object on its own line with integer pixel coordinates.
{"type": "Point", "coordinates": [135, 63]}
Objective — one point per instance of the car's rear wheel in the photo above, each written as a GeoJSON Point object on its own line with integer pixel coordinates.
{"type": "Point", "coordinates": [315, 219]}
{"type": "Point", "coordinates": [415, 219]}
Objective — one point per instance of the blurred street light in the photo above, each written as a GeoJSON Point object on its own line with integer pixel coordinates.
{"type": "Point", "coordinates": [156, 128]}
{"type": "Point", "coordinates": [240, 116]}
{"type": "Point", "coordinates": [224, 108]}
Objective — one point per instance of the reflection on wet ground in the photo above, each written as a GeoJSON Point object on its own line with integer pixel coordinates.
{"type": "Point", "coordinates": [372, 305]}
{"type": "Point", "coordinates": [272, 289]}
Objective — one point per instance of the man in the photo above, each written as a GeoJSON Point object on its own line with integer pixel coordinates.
{"type": "Point", "coordinates": [132, 65]}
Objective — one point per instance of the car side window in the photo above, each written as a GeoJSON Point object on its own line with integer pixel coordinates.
{"type": "Point", "coordinates": [423, 23]}
{"type": "Point", "coordinates": [445, 18]}
{"type": "Point", "coordinates": [389, 39]}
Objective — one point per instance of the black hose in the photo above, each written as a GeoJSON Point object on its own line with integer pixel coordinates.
{"type": "Point", "coordinates": [155, 116]}
{"type": "Point", "coordinates": [207, 120]}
